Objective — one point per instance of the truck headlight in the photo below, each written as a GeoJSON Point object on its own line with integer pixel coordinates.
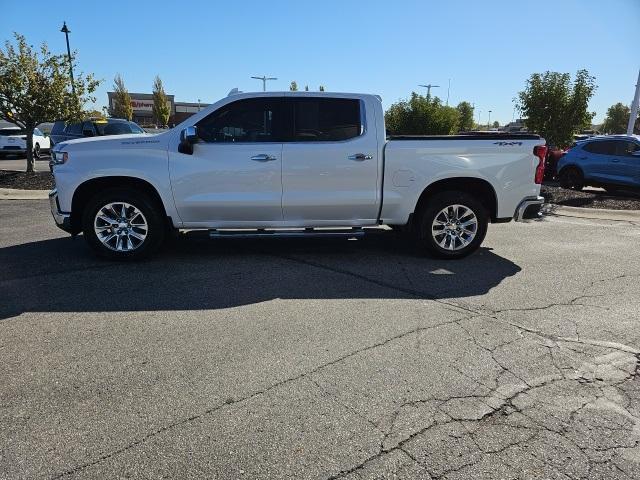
{"type": "Point", "coordinates": [58, 158]}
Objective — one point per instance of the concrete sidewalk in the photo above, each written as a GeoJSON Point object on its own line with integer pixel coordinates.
{"type": "Point", "coordinates": [16, 194]}
{"type": "Point", "coordinates": [593, 213]}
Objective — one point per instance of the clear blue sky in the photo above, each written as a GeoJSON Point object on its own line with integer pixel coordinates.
{"type": "Point", "coordinates": [203, 49]}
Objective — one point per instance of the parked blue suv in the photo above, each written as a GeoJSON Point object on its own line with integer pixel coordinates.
{"type": "Point", "coordinates": [611, 162]}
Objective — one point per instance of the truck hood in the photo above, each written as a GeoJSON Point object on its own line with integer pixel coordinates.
{"type": "Point", "coordinates": [112, 141]}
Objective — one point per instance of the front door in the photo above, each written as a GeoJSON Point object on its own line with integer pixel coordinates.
{"type": "Point", "coordinates": [233, 177]}
{"type": "Point", "coordinates": [329, 163]}
{"type": "Point", "coordinates": [625, 166]}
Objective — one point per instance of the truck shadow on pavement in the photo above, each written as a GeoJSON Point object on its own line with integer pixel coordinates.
{"type": "Point", "coordinates": [62, 275]}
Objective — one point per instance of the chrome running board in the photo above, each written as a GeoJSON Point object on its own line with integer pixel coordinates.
{"type": "Point", "coordinates": [300, 233]}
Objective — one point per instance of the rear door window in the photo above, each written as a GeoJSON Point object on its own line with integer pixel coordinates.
{"type": "Point", "coordinates": [628, 148]}
{"type": "Point", "coordinates": [326, 119]}
{"type": "Point", "coordinates": [607, 147]}
{"type": "Point", "coordinates": [58, 128]}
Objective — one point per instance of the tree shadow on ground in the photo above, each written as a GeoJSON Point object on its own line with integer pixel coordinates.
{"type": "Point", "coordinates": [62, 275]}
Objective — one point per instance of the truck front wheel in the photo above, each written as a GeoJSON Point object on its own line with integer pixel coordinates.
{"type": "Point", "coordinates": [123, 225]}
{"type": "Point", "coordinates": [452, 225]}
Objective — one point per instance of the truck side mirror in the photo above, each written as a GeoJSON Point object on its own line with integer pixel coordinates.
{"type": "Point", "coordinates": [188, 136]}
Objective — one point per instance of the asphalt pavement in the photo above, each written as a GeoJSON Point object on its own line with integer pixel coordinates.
{"type": "Point", "coordinates": [321, 359]}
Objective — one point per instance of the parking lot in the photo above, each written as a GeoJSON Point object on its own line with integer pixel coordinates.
{"type": "Point", "coordinates": [321, 359]}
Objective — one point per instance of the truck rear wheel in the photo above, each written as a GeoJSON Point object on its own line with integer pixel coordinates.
{"type": "Point", "coordinates": [452, 225]}
{"type": "Point", "coordinates": [123, 225]}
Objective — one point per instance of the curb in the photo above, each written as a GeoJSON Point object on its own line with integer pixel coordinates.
{"type": "Point", "coordinates": [592, 213]}
{"type": "Point", "coordinates": [17, 194]}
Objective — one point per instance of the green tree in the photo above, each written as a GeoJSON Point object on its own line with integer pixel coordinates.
{"type": "Point", "coordinates": [321, 88]}
{"type": "Point", "coordinates": [122, 100]}
{"type": "Point", "coordinates": [422, 116]}
{"type": "Point", "coordinates": [617, 119]}
{"type": "Point", "coordinates": [161, 108]}
{"type": "Point", "coordinates": [496, 124]}
{"type": "Point", "coordinates": [555, 107]}
{"type": "Point", "coordinates": [294, 86]}
{"type": "Point", "coordinates": [35, 87]}
{"type": "Point", "coordinates": [466, 116]}
{"type": "Point", "coordinates": [93, 113]}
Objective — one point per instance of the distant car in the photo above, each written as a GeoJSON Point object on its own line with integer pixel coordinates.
{"type": "Point", "coordinates": [13, 141]}
{"type": "Point", "coordinates": [611, 162]}
{"type": "Point", "coordinates": [93, 127]}
{"type": "Point", "coordinates": [554, 155]}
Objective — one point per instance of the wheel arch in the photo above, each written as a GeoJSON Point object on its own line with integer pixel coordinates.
{"type": "Point", "coordinates": [478, 187]}
{"type": "Point", "coordinates": [571, 165]}
{"type": "Point", "coordinates": [86, 190]}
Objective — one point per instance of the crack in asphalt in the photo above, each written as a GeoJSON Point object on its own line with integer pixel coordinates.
{"type": "Point", "coordinates": [220, 406]}
{"type": "Point", "coordinates": [505, 403]}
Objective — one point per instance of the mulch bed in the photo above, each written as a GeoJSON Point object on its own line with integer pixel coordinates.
{"type": "Point", "coordinates": [26, 181]}
{"type": "Point", "coordinates": [590, 198]}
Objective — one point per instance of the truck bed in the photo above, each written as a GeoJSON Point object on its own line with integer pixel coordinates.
{"type": "Point", "coordinates": [469, 136]}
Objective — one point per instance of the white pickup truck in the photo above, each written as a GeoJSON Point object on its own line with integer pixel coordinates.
{"type": "Point", "coordinates": [293, 164]}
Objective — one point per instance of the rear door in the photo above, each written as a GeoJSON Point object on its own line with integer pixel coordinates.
{"type": "Point", "coordinates": [329, 162]}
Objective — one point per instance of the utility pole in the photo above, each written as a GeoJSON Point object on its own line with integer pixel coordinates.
{"type": "Point", "coordinates": [198, 104]}
{"type": "Point", "coordinates": [448, 90]}
{"type": "Point", "coordinates": [66, 32]}
{"type": "Point", "coordinates": [489, 122]}
{"type": "Point", "coordinates": [264, 81]}
{"type": "Point", "coordinates": [634, 108]}
{"type": "Point", "coordinates": [479, 112]}
{"type": "Point", "coordinates": [429, 87]}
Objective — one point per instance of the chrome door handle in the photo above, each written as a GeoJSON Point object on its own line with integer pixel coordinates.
{"type": "Point", "coordinates": [615, 160]}
{"type": "Point", "coordinates": [360, 156]}
{"type": "Point", "coordinates": [263, 157]}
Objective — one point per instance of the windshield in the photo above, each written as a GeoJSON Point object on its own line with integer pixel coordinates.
{"type": "Point", "coordinates": [117, 128]}
{"type": "Point", "coordinates": [5, 132]}
{"type": "Point", "coordinates": [135, 128]}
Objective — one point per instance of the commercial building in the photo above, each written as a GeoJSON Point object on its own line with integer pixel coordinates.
{"type": "Point", "coordinates": [142, 104]}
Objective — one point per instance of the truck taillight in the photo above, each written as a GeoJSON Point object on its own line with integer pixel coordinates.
{"type": "Point", "coordinates": [540, 151]}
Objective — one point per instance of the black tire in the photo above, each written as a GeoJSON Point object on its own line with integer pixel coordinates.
{"type": "Point", "coordinates": [36, 151]}
{"type": "Point", "coordinates": [152, 215]}
{"type": "Point", "coordinates": [572, 178]}
{"type": "Point", "coordinates": [433, 208]}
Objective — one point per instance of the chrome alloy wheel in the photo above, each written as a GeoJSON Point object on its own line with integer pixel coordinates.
{"type": "Point", "coordinates": [454, 227]}
{"type": "Point", "coordinates": [120, 226]}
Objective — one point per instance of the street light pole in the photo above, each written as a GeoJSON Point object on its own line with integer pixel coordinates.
{"type": "Point", "coordinates": [634, 108]}
{"type": "Point", "coordinates": [264, 81]}
{"type": "Point", "coordinates": [489, 122]}
{"type": "Point", "coordinates": [66, 32]}
{"type": "Point", "coordinates": [448, 90]}
{"type": "Point", "coordinates": [429, 87]}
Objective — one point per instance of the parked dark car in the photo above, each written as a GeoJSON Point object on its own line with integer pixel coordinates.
{"type": "Point", "coordinates": [611, 162]}
{"type": "Point", "coordinates": [92, 127]}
